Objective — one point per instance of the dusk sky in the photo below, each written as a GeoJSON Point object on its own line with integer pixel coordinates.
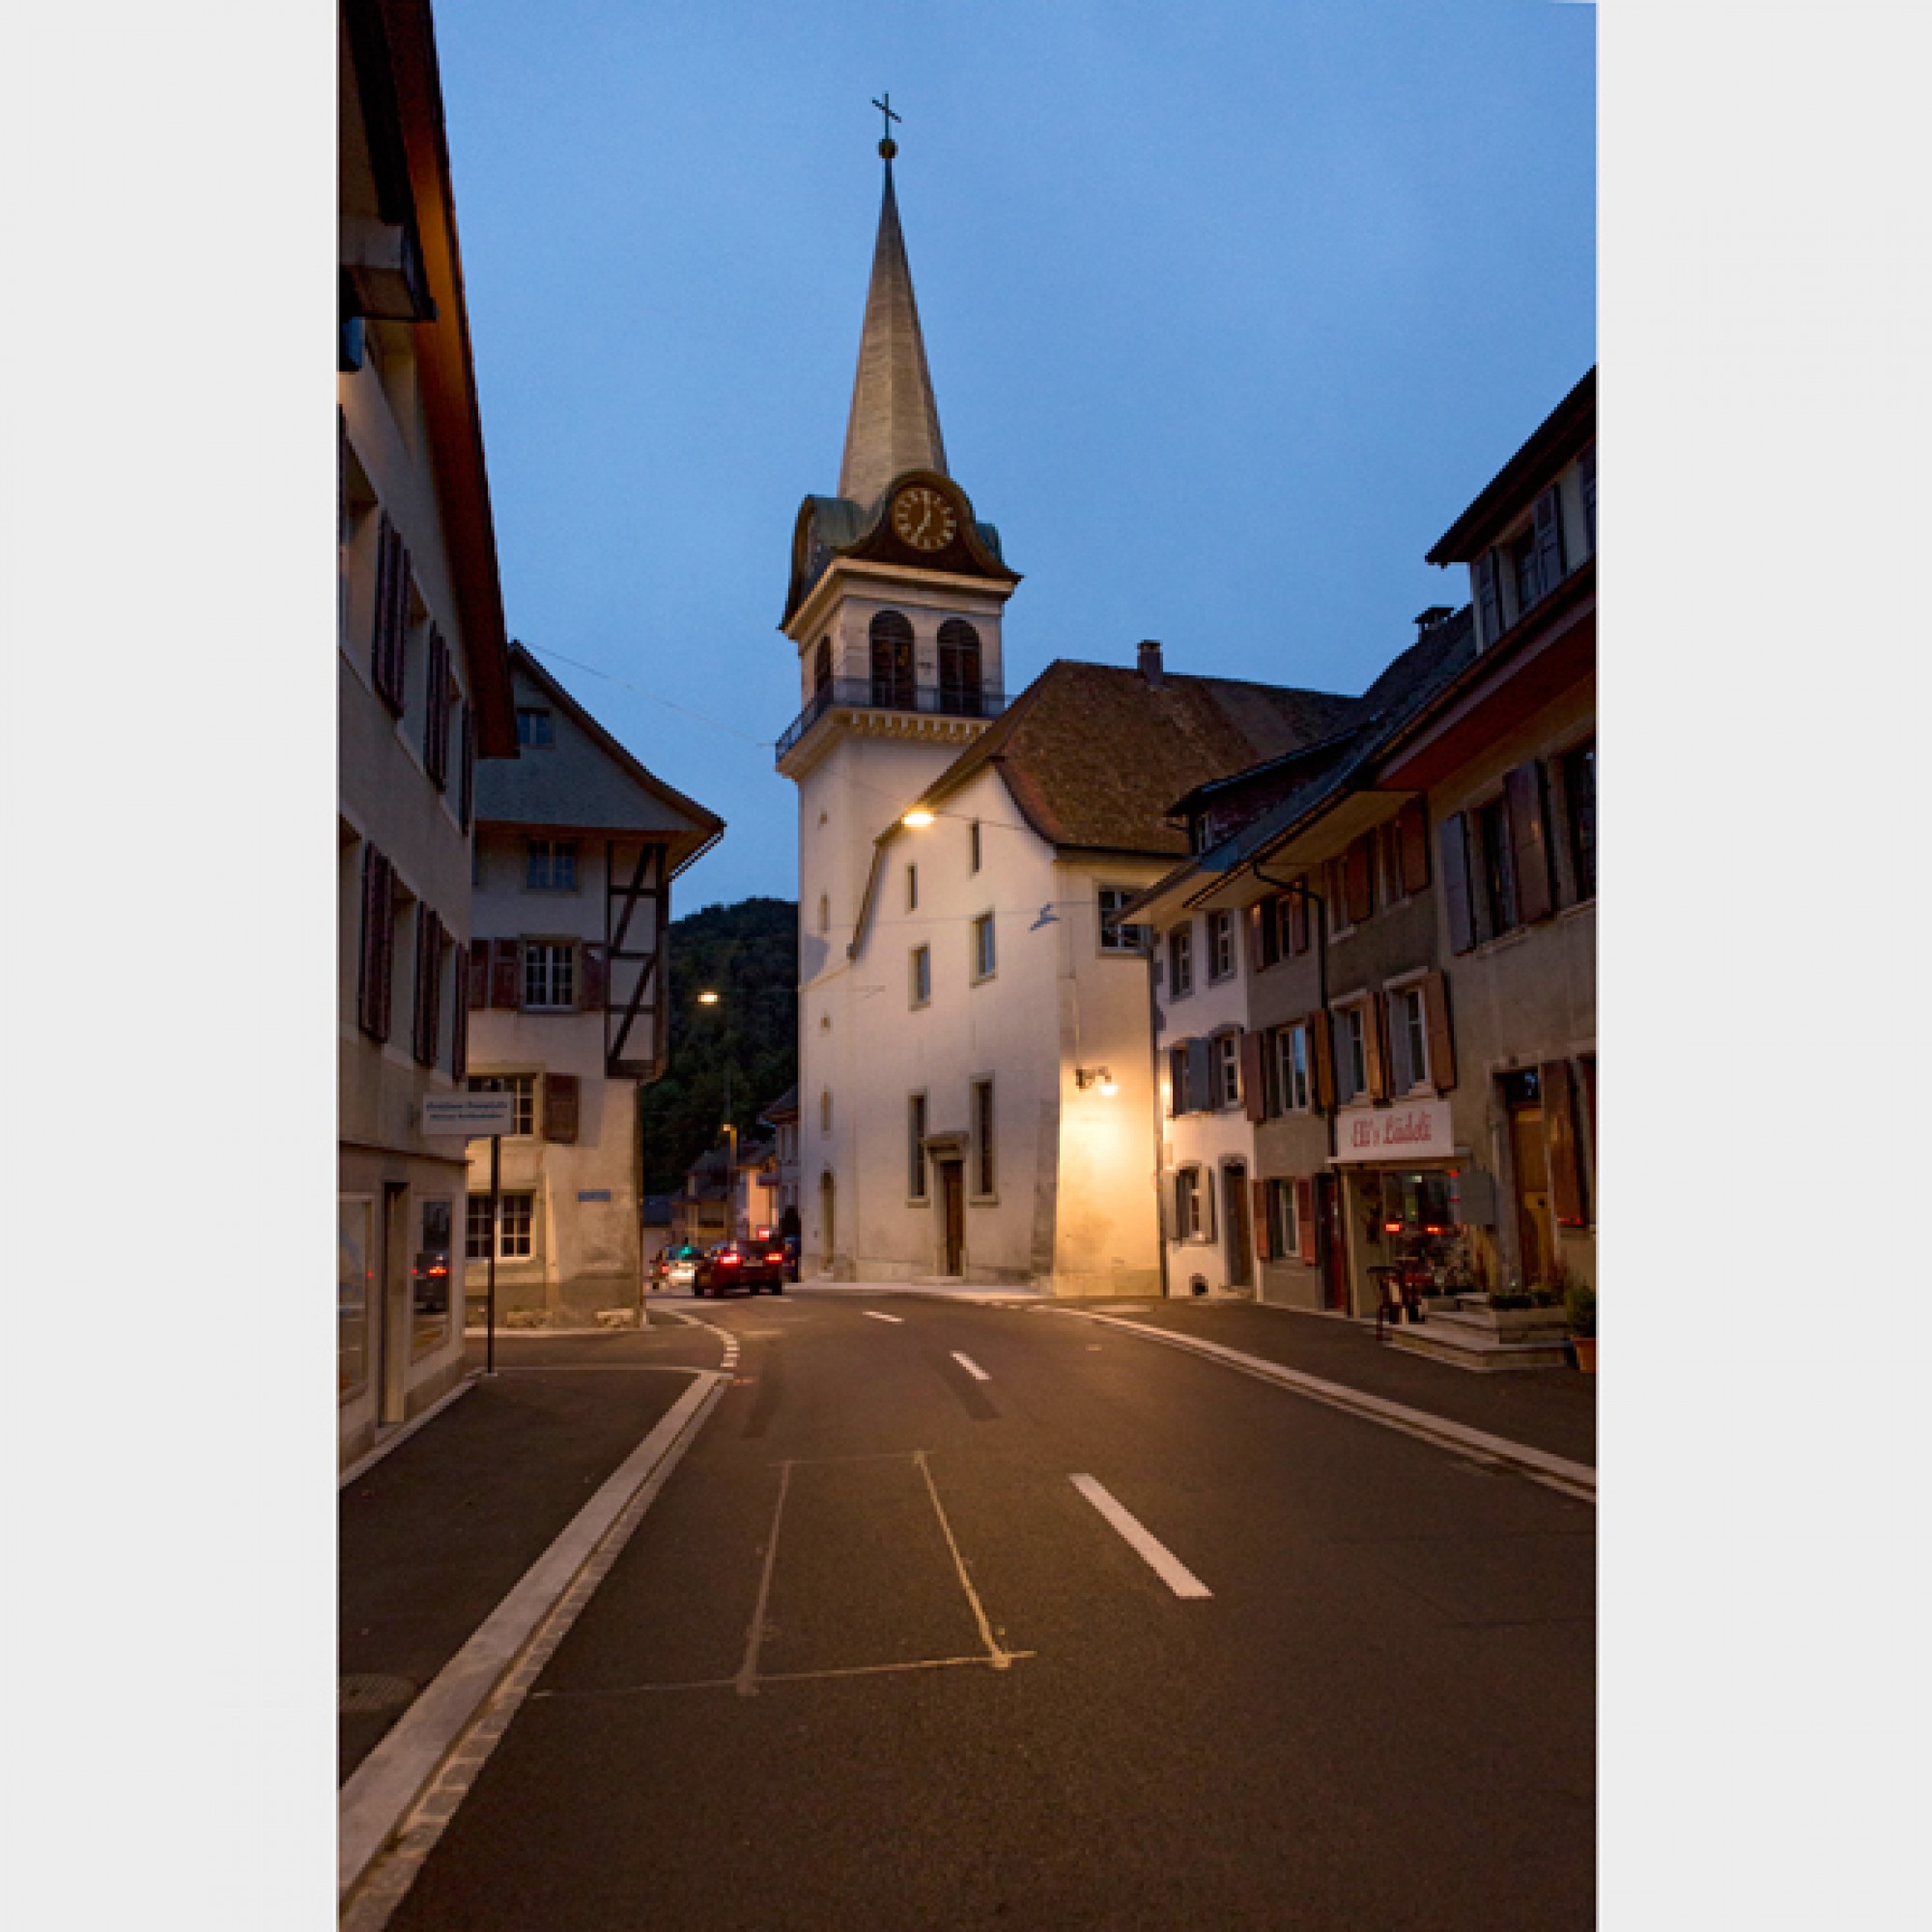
{"type": "Point", "coordinates": [1230, 308]}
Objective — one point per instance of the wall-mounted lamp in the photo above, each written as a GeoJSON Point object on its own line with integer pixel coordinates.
{"type": "Point", "coordinates": [918, 818]}
{"type": "Point", "coordinates": [707, 999]}
{"type": "Point", "coordinates": [1085, 1077]}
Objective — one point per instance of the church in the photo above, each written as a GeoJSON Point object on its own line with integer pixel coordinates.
{"type": "Point", "coordinates": [976, 1096]}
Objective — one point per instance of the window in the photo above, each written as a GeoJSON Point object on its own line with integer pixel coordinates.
{"type": "Point", "coordinates": [548, 976]}
{"type": "Point", "coordinates": [551, 866]}
{"type": "Point", "coordinates": [476, 1229]}
{"type": "Point", "coordinates": [983, 961]}
{"type": "Point", "coordinates": [1498, 867]}
{"type": "Point", "coordinates": [958, 668]}
{"type": "Point", "coordinates": [824, 913]}
{"type": "Point", "coordinates": [1284, 1223]}
{"type": "Point", "coordinates": [1227, 1070]}
{"type": "Point", "coordinates": [1290, 1070]}
{"type": "Point", "coordinates": [1114, 936]}
{"type": "Point", "coordinates": [1579, 804]}
{"type": "Point", "coordinates": [1352, 1053]}
{"type": "Point", "coordinates": [973, 845]}
{"type": "Point", "coordinates": [1523, 573]}
{"type": "Point", "coordinates": [916, 1146]}
{"type": "Point", "coordinates": [825, 1111]}
{"type": "Point", "coordinates": [514, 1230]}
{"type": "Point", "coordinates": [1189, 1218]}
{"type": "Point", "coordinates": [1181, 960]}
{"type": "Point", "coordinates": [536, 729]}
{"type": "Point", "coordinates": [522, 1088]}
{"type": "Point", "coordinates": [911, 888]}
{"type": "Point", "coordinates": [984, 1172]}
{"type": "Point", "coordinates": [388, 648]}
{"type": "Point", "coordinates": [921, 974]}
{"type": "Point", "coordinates": [1408, 1039]}
{"type": "Point", "coordinates": [440, 694]}
{"type": "Point", "coordinates": [1220, 946]}
{"type": "Point", "coordinates": [892, 686]}
{"type": "Point", "coordinates": [821, 669]}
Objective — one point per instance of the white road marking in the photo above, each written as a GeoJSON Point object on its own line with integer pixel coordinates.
{"type": "Point", "coordinates": [971, 1367]}
{"type": "Point", "coordinates": [747, 1679]}
{"type": "Point", "coordinates": [1156, 1556]}
{"type": "Point", "coordinates": [873, 1314]}
{"type": "Point", "coordinates": [998, 1656]}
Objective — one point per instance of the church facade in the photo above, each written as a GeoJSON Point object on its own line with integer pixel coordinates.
{"type": "Point", "coordinates": [976, 1095]}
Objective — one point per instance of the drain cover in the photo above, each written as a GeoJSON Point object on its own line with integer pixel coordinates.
{"type": "Point", "coordinates": [365, 1692]}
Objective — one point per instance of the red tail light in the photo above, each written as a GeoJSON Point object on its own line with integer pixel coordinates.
{"type": "Point", "coordinates": [775, 1257]}
{"type": "Point", "coordinates": [729, 1261]}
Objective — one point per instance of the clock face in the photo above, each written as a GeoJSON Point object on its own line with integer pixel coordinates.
{"type": "Point", "coordinates": [923, 518]}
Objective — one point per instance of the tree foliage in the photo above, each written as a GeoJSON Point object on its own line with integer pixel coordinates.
{"type": "Point", "coordinates": [728, 1060]}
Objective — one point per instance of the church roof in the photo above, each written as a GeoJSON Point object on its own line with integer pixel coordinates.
{"type": "Point", "coordinates": [895, 422]}
{"type": "Point", "coordinates": [1095, 754]}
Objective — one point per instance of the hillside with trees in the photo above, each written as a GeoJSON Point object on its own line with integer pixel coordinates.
{"type": "Point", "coordinates": [729, 1059]}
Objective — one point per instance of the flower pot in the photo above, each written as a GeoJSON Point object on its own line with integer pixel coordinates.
{"type": "Point", "coordinates": [1585, 1346]}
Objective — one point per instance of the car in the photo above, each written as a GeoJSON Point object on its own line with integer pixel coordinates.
{"type": "Point", "coordinates": [748, 1264]}
{"type": "Point", "coordinates": [680, 1266]}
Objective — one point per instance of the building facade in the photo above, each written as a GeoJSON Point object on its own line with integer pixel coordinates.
{"type": "Point", "coordinates": [577, 845]}
{"type": "Point", "coordinates": [423, 691]}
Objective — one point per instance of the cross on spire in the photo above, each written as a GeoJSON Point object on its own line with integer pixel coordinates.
{"type": "Point", "coordinates": [888, 147]}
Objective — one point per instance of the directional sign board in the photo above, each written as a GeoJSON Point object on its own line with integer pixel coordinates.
{"type": "Point", "coordinates": [474, 1117]}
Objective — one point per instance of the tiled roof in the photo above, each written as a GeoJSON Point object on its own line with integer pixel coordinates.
{"type": "Point", "coordinates": [1095, 754]}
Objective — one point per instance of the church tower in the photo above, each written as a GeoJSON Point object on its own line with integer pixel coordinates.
{"type": "Point", "coordinates": [893, 606]}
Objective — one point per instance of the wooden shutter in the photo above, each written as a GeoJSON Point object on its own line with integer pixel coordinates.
{"type": "Point", "coordinates": [370, 964]}
{"type": "Point", "coordinates": [1489, 604]}
{"type": "Point", "coordinates": [1304, 1218]}
{"type": "Point", "coordinates": [385, 947]}
{"type": "Point", "coordinates": [505, 974]}
{"type": "Point", "coordinates": [459, 1021]}
{"type": "Point", "coordinates": [1455, 882]}
{"type": "Point", "coordinates": [392, 614]}
{"type": "Point", "coordinates": [466, 795]}
{"type": "Point", "coordinates": [378, 628]}
{"type": "Point", "coordinates": [435, 712]}
{"type": "Point", "coordinates": [560, 1107]}
{"type": "Point", "coordinates": [1375, 1027]}
{"type": "Point", "coordinates": [1200, 1076]}
{"type": "Point", "coordinates": [1324, 1044]}
{"type": "Point", "coordinates": [1254, 1075]}
{"type": "Point", "coordinates": [1524, 788]}
{"type": "Point", "coordinates": [1263, 1228]}
{"type": "Point", "coordinates": [1559, 1129]}
{"type": "Point", "coordinates": [1549, 542]}
{"type": "Point", "coordinates": [1412, 826]}
{"type": "Point", "coordinates": [1359, 866]}
{"type": "Point", "coordinates": [476, 975]}
{"type": "Point", "coordinates": [590, 986]}
{"type": "Point", "coordinates": [1441, 1042]}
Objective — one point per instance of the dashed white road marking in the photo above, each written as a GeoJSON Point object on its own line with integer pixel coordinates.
{"type": "Point", "coordinates": [873, 1314]}
{"type": "Point", "coordinates": [1155, 1553]}
{"type": "Point", "coordinates": [971, 1367]}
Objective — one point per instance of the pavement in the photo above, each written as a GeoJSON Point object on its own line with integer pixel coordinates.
{"type": "Point", "coordinates": [863, 1397]}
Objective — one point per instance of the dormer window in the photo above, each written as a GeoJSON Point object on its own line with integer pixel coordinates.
{"type": "Point", "coordinates": [892, 685]}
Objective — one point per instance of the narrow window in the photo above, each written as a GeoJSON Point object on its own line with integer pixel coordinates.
{"type": "Point", "coordinates": [825, 1111]}
{"type": "Point", "coordinates": [892, 687]}
{"type": "Point", "coordinates": [1291, 1053]}
{"type": "Point", "coordinates": [983, 1136]}
{"type": "Point", "coordinates": [1181, 960]}
{"type": "Point", "coordinates": [1499, 867]}
{"type": "Point", "coordinates": [1227, 1070]}
{"type": "Point", "coordinates": [958, 668]}
{"type": "Point", "coordinates": [1579, 801]}
{"type": "Point", "coordinates": [911, 888]}
{"type": "Point", "coordinates": [921, 974]}
{"type": "Point", "coordinates": [983, 947]}
{"type": "Point", "coordinates": [821, 669]}
{"type": "Point", "coordinates": [973, 845]}
{"type": "Point", "coordinates": [1220, 945]}
{"type": "Point", "coordinates": [824, 913]}
{"type": "Point", "coordinates": [1187, 1205]}
{"type": "Point", "coordinates": [916, 1146]}
{"type": "Point", "coordinates": [1352, 1072]}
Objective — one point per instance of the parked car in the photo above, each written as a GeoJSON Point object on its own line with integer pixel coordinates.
{"type": "Point", "coordinates": [680, 1266]}
{"type": "Point", "coordinates": [746, 1264]}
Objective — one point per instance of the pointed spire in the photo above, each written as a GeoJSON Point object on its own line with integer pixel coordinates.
{"type": "Point", "coordinates": [894, 421]}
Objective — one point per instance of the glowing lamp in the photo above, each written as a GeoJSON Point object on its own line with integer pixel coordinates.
{"type": "Point", "coordinates": [918, 818]}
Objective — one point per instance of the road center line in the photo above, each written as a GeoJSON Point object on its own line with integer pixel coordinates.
{"type": "Point", "coordinates": [873, 1314]}
{"type": "Point", "coordinates": [1156, 1556]}
{"type": "Point", "coordinates": [971, 1367]}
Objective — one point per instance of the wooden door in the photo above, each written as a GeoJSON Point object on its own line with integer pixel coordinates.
{"type": "Point", "coordinates": [952, 1186]}
{"type": "Point", "coordinates": [1334, 1244]}
{"type": "Point", "coordinates": [1237, 1230]}
{"type": "Point", "coordinates": [828, 1236]}
{"type": "Point", "coordinates": [1536, 1232]}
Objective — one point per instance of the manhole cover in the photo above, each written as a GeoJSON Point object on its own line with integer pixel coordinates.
{"type": "Point", "coordinates": [365, 1692]}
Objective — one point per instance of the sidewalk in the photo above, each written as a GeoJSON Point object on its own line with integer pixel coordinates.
{"type": "Point", "coordinates": [1552, 1409]}
{"type": "Point", "coordinates": [438, 1533]}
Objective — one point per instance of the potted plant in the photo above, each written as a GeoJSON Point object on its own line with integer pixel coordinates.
{"type": "Point", "coordinates": [1580, 1304]}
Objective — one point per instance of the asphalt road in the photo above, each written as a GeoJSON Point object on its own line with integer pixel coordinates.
{"type": "Point", "coordinates": [873, 1659]}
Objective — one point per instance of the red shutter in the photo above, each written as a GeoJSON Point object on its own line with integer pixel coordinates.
{"type": "Point", "coordinates": [560, 1107]}
{"type": "Point", "coordinates": [459, 1022]}
{"type": "Point", "coordinates": [1254, 1077]}
{"type": "Point", "coordinates": [590, 992]}
{"type": "Point", "coordinates": [1374, 1021]}
{"type": "Point", "coordinates": [1441, 1042]}
{"type": "Point", "coordinates": [505, 974]}
{"type": "Point", "coordinates": [1411, 827]}
{"type": "Point", "coordinates": [1489, 604]}
{"type": "Point", "coordinates": [1529, 840]}
{"type": "Point", "coordinates": [1360, 865]}
{"type": "Point", "coordinates": [1264, 1230]}
{"type": "Point", "coordinates": [1559, 1129]}
{"type": "Point", "coordinates": [1304, 1218]}
{"type": "Point", "coordinates": [1549, 542]}
{"type": "Point", "coordinates": [1325, 1060]}
{"type": "Point", "coordinates": [1455, 882]}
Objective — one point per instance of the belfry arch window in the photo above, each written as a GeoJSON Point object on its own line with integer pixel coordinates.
{"type": "Point", "coordinates": [891, 660]}
{"type": "Point", "coordinates": [958, 668]}
{"type": "Point", "coordinates": [821, 669]}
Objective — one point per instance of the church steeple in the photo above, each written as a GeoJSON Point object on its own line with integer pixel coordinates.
{"type": "Point", "coordinates": [895, 422]}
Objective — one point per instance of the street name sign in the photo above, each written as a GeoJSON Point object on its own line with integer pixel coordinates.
{"type": "Point", "coordinates": [474, 1116]}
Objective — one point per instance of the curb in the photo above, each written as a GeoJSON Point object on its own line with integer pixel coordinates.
{"type": "Point", "coordinates": [378, 1798]}
{"type": "Point", "coordinates": [1555, 1472]}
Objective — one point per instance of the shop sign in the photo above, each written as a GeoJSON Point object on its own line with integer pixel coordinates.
{"type": "Point", "coordinates": [473, 1115]}
{"type": "Point", "coordinates": [1409, 1130]}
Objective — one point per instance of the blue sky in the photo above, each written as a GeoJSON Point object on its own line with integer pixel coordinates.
{"type": "Point", "coordinates": [1230, 309]}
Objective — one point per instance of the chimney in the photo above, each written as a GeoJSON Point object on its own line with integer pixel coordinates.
{"type": "Point", "coordinates": [1428, 620]}
{"type": "Point", "coordinates": [1149, 660]}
